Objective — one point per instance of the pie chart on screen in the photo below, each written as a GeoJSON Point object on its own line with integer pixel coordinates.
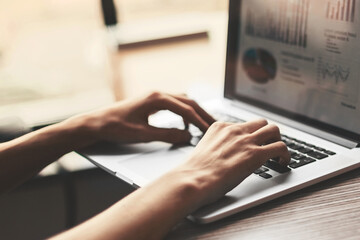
{"type": "Point", "coordinates": [260, 65]}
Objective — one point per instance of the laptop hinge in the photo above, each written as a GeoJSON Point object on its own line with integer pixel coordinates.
{"type": "Point", "coordinates": [297, 125]}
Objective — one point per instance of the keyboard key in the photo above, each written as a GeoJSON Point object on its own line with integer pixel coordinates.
{"type": "Point", "coordinates": [317, 155]}
{"type": "Point", "coordinates": [275, 159]}
{"type": "Point", "coordinates": [296, 147]}
{"type": "Point", "coordinates": [298, 141]}
{"type": "Point", "coordinates": [287, 142]}
{"type": "Point", "coordinates": [302, 162]}
{"type": "Point", "coordinates": [320, 149]}
{"type": "Point", "coordinates": [298, 156]}
{"type": "Point", "coordinates": [309, 145]}
{"type": "Point", "coordinates": [308, 160]}
{"type": "Point", "coordinates": [295, 165]}
{"type": "Point", "coordinates": [265, 175]}
{"type": "Point", "coordinates": [305, 150]}
{"type": "Point", "coordinates": [261, 170]}
{"type": "Point", "coordinates": [329, 152]}
{"type": "Point", "coordinates": [292, 161]}
{"type": "Point", "coordinates": [276, 166]}
{"type": "Point", "coordinates": [292, 153]}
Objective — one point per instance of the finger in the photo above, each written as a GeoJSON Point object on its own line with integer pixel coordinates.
{"type": "Point", "coordinates": [277, 150]}
{"type": "Point", "coordinates": [267, 134]}
{"type": "Point", "coordinates": [251, 126]}
{"type": "Point", "coordinates": [186, 124]}
{"type": "Point", "coordinates": [206, 116]}
{"type": "Point", "coordinates": [185, 111]}
{"type": "Point", "coordinates": [173, 135]}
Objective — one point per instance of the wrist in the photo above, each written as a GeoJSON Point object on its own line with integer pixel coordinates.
{"type": "Point", "coordinates": [205, 182]}
{"type": "Point", "coordinates": [80, 131]}
{"type": "Point", "coordinates": [59, 139]}
{"type": "Point", "coordinates": [190, 187]}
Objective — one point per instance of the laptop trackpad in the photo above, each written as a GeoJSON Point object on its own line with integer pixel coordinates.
{"type": "Point", "coordinates": [151, 165]}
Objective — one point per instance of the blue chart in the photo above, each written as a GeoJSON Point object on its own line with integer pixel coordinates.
{"type": "Point", "coordinates": [341, 10]}
{"type": "Point", "coordinates": [286, 22]}
{"type": "Point", "coordinates": [333, 72]}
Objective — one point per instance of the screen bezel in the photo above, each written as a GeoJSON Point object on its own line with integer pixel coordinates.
{"type": "Point", "coordinates": [234, 24]}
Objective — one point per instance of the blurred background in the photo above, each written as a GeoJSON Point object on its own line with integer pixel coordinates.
{"type": "Point", "coordinates": [57, 47]}
{"type": "Point", "coordinates": [57, 59]}
{"type": "Point", "coordinates": [58, 50]}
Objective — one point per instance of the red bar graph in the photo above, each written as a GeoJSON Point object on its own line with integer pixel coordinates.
{"type": "Point", "coordinates": [341, 10]}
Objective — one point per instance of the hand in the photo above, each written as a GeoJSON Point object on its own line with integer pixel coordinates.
{"type": "Point", "coordinates": [228, 153]}
{"type": "Point", "coordinates": [127, 121]}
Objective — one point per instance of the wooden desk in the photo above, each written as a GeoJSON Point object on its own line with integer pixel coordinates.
{"type": "Point", "coordinates": [48, 205]}
{"type": "Point", "coordinates": [327, 210]}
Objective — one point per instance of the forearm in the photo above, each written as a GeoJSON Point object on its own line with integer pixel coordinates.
{"type": "Point", "coordinates": [24, 157]}
{"type": "Point", "coordinates": [148, 213]}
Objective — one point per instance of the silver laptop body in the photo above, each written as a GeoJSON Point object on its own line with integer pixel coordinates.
{"type": "Point", "coordinates": [295, 63]}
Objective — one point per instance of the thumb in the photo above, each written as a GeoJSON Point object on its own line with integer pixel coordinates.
{"type": "Point", "coordinates": [172, 135]}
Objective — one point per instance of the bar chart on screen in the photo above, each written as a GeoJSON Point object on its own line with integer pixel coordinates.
{"type": "Point", "coordinates": [283, 21]}
{"type": "Point", "coordinates": [341, 10]}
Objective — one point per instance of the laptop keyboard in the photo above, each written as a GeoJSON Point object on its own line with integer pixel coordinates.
{"type": "Point", "coordinates": [302, 153]}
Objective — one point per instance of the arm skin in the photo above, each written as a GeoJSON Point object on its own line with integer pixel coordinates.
{"type": "Point", "coordinates": [226, 155]}
{"type": "Point", "coordinates": [125, 122]}
{"type": "Point", "coordinates": [26, 156]}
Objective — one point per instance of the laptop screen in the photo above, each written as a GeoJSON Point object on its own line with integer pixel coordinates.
{"type": "Point", "coordinates": [300, 58]}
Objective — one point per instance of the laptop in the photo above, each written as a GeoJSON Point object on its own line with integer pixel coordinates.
{"type": "Point", "coordinates": [293, 62]}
